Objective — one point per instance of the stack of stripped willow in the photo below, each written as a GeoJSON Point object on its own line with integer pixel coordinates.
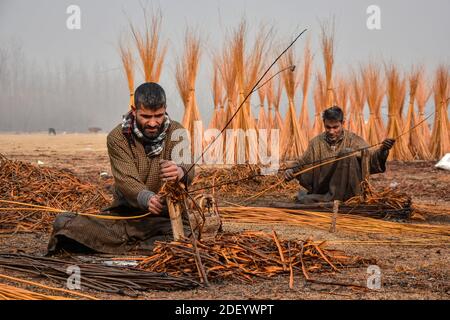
{"type": "Point", "coordinates": [128, 65]}
{"type": "Point", "coordinates": [417, 144]}
{"type": "Point", "coordinates": [247, 255]}
{"type": "Point", "coordinates": [293, 137]}
{"type": "Point", "coordinates": [396, 90]}
{"type": "Point", "coordinates": [440, 137]}
{"type": "Point", "coordinates": [357, 100]}
{"type": "Point", "coordinates": [375, 89]}
{"type": "Point", "coordinates": [186, 74]}
{"type": "Point", "coordinates": [307, 70]}
{"type": "Point", "coordinates": [148, 45]}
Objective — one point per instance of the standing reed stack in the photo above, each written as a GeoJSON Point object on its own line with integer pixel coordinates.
{"type": "Point", "coordinates": [423, 94]}
{"type": "Point", "coordinates": [128, 62]}
{"type": "Point", "coordinates": [357, 101]}
{"type": "Point", "coordinates": [319, 104]}
{"type": "Point", "coordinates": [374, 87]}
{"type": "Point", "coordinates": [417, 144]}
{"type": "Point", "coordinates": [396, 90]}
{"type": "Point", "coordinates": [186, 75]}
{"type": "Point", "coordinates": [440, 137]}
{"type": "Point", "coordinates": [147, 42]}
{"type": "Point", "coordinates": [293, 138]}
{"type": "Point", "coordinates": [327, 42]}
{"type": "Point", "coordinates": [307, 70]}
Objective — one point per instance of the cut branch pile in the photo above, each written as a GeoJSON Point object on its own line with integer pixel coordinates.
{"type": "Point", "coordinates": [27, 183]}
{"type": "Point", "coordinates": [218, 176]}
{"type": "Point", "coordinates": [248, 255]}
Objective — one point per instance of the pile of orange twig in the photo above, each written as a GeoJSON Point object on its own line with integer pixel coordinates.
{"type": "Point", "coordinates": [218, 180]}
{"type": "Point", "coordinates": [247, 255]}
{"type": "Point", "coordinates": [26, 183]}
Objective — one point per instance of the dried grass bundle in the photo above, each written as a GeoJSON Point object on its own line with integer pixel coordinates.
{"type": "Point", "coordinates": [293, 139]}
{"type": "Point", "coordinates": [262, 117]}
{"type": "Point", "coordinates": [357, 101]}
{"type": "Point", "coordinates": [319, 104]}
{"type": "Point", "coordinates": [148, 45]}
{"type": "Point", "coordinates": [440, 137]}
{"type": "Point", "coordinates": [307, 70]}
{"type": "Point", "coordinates": [217, 92]}
{"type": "Point", "coordinates": [128, 62]}
{"type": "Point", "coordinates": [186, 74]}
{"type": "Point", "coordinates": [374, 87]}
{"type": "Point", "coordinates": [396, 90]}
{"type": "Point", "coordinates": [417, 144]}
{"type": "Point", "coordinates": [423, 93]}
{"type": "Point", "coordinates": [327, 43]}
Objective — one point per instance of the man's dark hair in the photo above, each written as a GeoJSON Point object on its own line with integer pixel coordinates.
{"type": "Point", "coordinates": [149, 95]}
{"type": "Point", "coordinates": [333, 113]}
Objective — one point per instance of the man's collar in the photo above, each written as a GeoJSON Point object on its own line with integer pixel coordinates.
{"type": "Point", "coordinates": [334, 142]}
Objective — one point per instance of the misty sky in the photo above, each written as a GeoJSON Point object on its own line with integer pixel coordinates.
{"type": "Point", "coordinates": [412, 32]}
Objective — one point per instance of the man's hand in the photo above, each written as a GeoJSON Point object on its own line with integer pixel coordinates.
{"type": "Point", "coordinates": [289, 174]}
{"type": "Point", "coordinates": [155, 204]}
{"type": "Point", "coordinates": [387, 144]}
{"type": "Point", "coordinates": [170, 171]}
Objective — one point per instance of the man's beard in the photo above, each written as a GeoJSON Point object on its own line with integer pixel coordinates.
{"type": "Point", "coordinates": [146, 133]}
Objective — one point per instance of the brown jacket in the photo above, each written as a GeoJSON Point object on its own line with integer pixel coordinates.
{"type": "Point", "coordinates": [136, 176]}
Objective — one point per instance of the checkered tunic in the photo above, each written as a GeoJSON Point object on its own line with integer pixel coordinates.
{"type": "Point", "coordinates": [136, 175]}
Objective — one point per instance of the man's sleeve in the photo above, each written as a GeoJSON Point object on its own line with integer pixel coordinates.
{"type": "Point", "coordinates": [378, 160]}
{"type": "Point", "coordinates": [126, 175]}
{"type": "Point", "coordinates": [305, 159]}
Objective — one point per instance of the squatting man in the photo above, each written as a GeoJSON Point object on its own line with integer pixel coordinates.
{"type": "Point", "coordinates": [341, 179]}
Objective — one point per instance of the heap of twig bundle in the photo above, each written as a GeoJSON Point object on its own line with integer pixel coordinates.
{"type": "Point", "coordinates": [248, 255]}
{"type": "Point", "coordinates": [357, 100]}
{"type": "Point", "coordinates": [97, 277]}
{"type": "Point", "coordinates": [417, 143]}
{"type": "Point", "coordinates": [307, 70]}
{"type": "Point", "coordinates": [27, 183]}
{"type": "Point", "coordinates": [375, 89]}
{"type": "Point", "coordinates": [293, 137]}
{"type": "Point", "coordinates": [396, 90]}
{"type": "Point", "coordinates": [148, 45]}
{"type": "Point", "coordinates": [126, 56]}
{"type": "Point", "coordinates": [440, 137]}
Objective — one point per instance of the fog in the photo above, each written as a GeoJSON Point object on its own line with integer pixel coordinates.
{"type": "Point", "coordinates": [72, 79]}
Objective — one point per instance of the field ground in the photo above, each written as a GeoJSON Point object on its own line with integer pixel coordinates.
{"type": "Point", "coordinates": [408, 272]}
